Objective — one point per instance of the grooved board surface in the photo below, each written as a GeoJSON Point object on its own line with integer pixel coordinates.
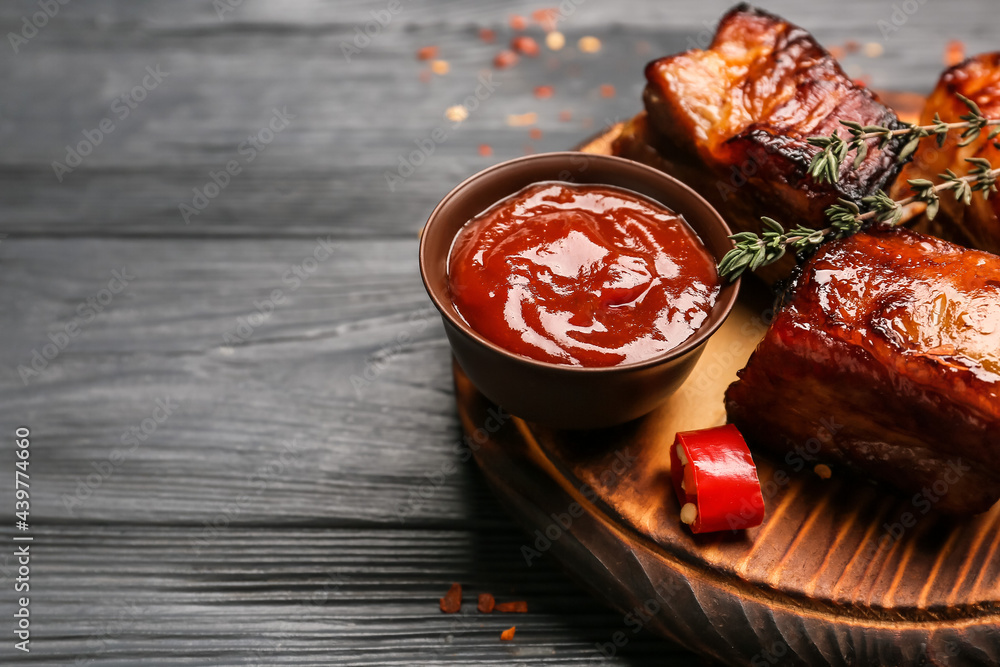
{"type": "Point", "coordinates": [827, 579]}
{"type": "Point", "coordinates": [308, 429]}
{"type": "Point", "coordinates": [841, 543]}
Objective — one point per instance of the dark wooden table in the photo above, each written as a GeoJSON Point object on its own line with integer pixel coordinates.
{"type": "Point", "coordinates": [221, 472]}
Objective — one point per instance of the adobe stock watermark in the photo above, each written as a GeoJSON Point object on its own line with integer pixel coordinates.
{"type": "Point", "coordinates": [921, 504]}
{"type": "Point", "coordinates": [407, 164]}
{"type": "Point", "coordinates": [30, 25]}
{"type": "Point", "coordinates": [780, 651]}
{"type": "Point", "coordinates": [704, 38]}
{"type": "Point", "coordinates": [296, 276]}
{"type": "Point", "coordinates": [128, 616]}
{"type": "Point", "coordinates": [223, 7]}
{"type": "Point", "coordinates": [365, 33]}
{"type": "Point", "coordinates": [900, 15]}
{"type": "Point", "coordinates": [86, 312]}
{"type": "Point", "coordinates": [257, 482]}
{"type": "Point", "coordinates": [131, 439]}
{"type": "Point", "coordinates": [565, 9]}
{"type": "Point", "coordinates": [248, 150]}
{"type": "Point", "coordinates": [376, 363]}
{"type": "Point", "coordinates": [464, 450]}
{"type": "Point", "coordinates": [553, 16]}
{"type": "Point", "coordinates": [121, 108]}
{"type": "Point", "coordinates": [563, 521]}
{"type": "Point", "coordinates": [639, 617]}
{"type": "Point", "coordinates": [756, 157]}
{"type": "Point", "coordinates": [720, 363]}
{"type": "Point", "coordinates": [264, 655]}
{"type": "Point", "coordinates": [798, 457]}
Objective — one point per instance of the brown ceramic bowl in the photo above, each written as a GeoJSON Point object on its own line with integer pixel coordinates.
{"type": "Point", "coordinates": [553, 394]}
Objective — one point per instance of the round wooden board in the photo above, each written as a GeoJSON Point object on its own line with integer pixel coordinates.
{"type": "Point", "coordinates": [839, 573]}
{"type": "Point", "coordinates": [832, 576]}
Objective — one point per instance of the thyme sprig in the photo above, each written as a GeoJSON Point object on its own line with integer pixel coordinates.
{"type": "Point", "coordinates": [846, 218]}
{"type": "Point", "coordinates": [825, 165]}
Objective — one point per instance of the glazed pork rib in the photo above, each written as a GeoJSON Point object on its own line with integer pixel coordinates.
{"type": "Point", "coordinates": [886, 351]}
{"type": "Point", "coordinates": [732, 121]}
{"type": "Point", "coordinates": [978, 224]}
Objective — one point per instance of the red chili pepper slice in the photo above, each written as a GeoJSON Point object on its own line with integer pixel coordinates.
{"type": "Point", "coordinates": [720, 489]}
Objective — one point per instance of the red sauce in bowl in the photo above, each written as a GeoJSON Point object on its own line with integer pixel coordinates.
{"type": "Point", "coordinates": [583, 275]}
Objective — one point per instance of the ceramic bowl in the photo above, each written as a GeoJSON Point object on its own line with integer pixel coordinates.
{"type": "Point", "coordinates": [559, 395]}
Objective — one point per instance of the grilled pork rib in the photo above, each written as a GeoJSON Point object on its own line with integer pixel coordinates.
{"type": "Point", "coordinates": [732, 121]}
{"type": "Point", "coordinates": [978, 224]}
{"type": "Point", "coordinates": [885, 356]}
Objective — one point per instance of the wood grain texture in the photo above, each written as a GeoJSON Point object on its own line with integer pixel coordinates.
{"type": "Point", "coordinates": [123, 595]}
{"type": "Point", "coordinates": [325, 172]}
{"type": "Point", "coordinates": [363, 457]}
{"type": "Point", "coordinates": [792, 590]}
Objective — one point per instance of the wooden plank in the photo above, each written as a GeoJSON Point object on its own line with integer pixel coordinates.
{"type": "Point", "coordinates": [358, 445]}
{"type": "Point", "coordinates": [364, 454]}
{"type": "Point", "coordinates": [361, 459]}
{"type": "Point", "coordinates": [325, 173]}
{"type": "Point", "coordinates": [121, 594]}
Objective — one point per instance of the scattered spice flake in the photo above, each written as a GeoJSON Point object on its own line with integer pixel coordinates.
{"type": "Point", "coordinates": [440, 67]}
{"type": "Point", "coordinates": [425, 76]}
{"type": "Point", "coordinates": [954, 53]}
{"type": "Point", "coordinates": [518, 22]}
{"type": "Point", "coordinates": [555, 40]}
{"type": "Point", "coordinates": [487, 35]}
{"type": "Point", "coordinates": [547, 18]}
{"type": "Point", "coordinates": [642, 47]}
{"type": "Point", "coordinates": [589, 44]}
{"type": "Point", "coordinates": [520, 120]}
{"type": "Point", "coordinates": [508, 634]}
{"type": "Point", "coordinates": [837, 52]}
{"type": "Point", "coordinates": [851, 46]}
{"type": "Point", "coordinates": [518, 607]}
{"type": "Point", "coordinates": [565, 116]}
{"type": "Point", "coordinates": [823, 471]}
{"type": "Point", "coordinates": [535, 133]}
{"type": "Point", "coordinates": [451, 603]}
{"type": "Point", "coordinates": [873, 49]}
{"type": "Point", "coordinates": [607, 90]}
{"type": "Point", "coordinates": [485, 150]}
{"type": "Point", "coordinates": [427, 53]}
{"type": "Point", "coordinates": [505, 59]}
{"type": "Point", "coordinates": [527, 149]}
{"type": "Point", "coordinates": [486, 603]}
{"type": "Point", "coordinates": [456, 114]}
{"type": "Point", "coordinates": [587, 122]}
{"type": "Point", "coordinates": [525, 45]}
{"type": "Point", "coordinates": [543, 92]}
{"type": "Point", "coordinates": [863, 81]}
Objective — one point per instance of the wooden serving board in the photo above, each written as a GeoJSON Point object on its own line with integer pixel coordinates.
{"type": "Point", "coordinates": [839, 573]}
